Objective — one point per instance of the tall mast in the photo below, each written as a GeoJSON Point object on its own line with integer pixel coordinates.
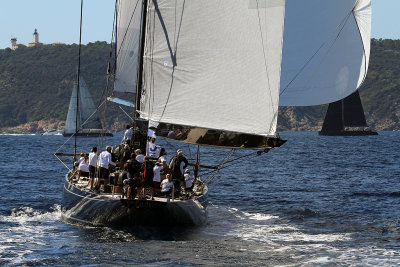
{"type": "Point", "coordinates": [140, 60]}
{"type": "Point", "coordinates": [77, 86]}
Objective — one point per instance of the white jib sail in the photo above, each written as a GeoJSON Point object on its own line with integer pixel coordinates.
{"type": "Point", "coordinates": [214, 64]}
{"type": "Point", "coordinates": [326, 50]}
{"type": "Point", "coordinates": [128, 34]}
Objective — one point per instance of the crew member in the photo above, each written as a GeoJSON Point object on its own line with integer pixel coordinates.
{"type": "Point", "coordinates": [104, 163]}
{"type": "Point", "coordinates": [92, 165]}
{"type": "Point", "coordinates": [127, 135]}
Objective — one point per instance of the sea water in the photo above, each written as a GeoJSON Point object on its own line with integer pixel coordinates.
{"type": "Point", "coordinates": [314, 201]}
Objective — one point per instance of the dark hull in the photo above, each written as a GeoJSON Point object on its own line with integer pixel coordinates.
{"type": "Point", "coordinates": [89, 208]}
{"type": "Point", "coordinates": [347, 133]}
{"type": "Point", "coordinates": [88, 134]}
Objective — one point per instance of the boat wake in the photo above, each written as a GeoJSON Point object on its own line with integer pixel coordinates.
{"type": "Point", "coordinates": [274, 235]}
{"type": "Point", "coordinates": [26, 231]}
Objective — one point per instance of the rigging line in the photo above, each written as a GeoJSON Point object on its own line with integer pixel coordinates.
{"type": "Point", "coordinates": [169, 144]}
{"type": "Point", "coordinates": [113, 34]}
{"type": "Point", "coordinates": [266, 61]}
{"type": "Point", "coordinates": [91, 115]}
{"type": "Point", "coordinates": [173, 55]}
{"type": "Point", "coordinates": [234, 162]}
{"type": "Point", "coordinates": [263, 49]}
{"type": "Point", "coordinates": [126, 113]}
{"type": "Point", "coordinates": [129, 24]}
{"type": "Point", "coordinates": [316, 52]}
{"type": "Point", "coordinates": [326, 54]}
{"type": "Point", "coordinates": [220, 166]}
{"type": "Point", "coordinates": [62, 162]}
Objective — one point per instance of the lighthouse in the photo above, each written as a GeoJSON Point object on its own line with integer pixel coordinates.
{"type": "Point", "coordinates": [35, 37]}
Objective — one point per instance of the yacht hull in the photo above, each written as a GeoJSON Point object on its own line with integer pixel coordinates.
{"type": "Point", "coordinates": [89, 208]}
{"type": "Point", "coordinates": [347, 133]}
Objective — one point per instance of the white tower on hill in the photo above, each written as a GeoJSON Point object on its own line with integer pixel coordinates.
{"type": "Point", "coordinates": [14, 44]}
{"type": "Point", "coordinates": [35, 37]}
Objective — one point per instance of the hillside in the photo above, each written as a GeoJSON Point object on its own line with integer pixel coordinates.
{"type": "Point", "coordinates": [36, 85]}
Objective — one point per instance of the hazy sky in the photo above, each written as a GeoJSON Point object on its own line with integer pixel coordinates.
{"type": "Point", "coordinates": [58, 20]}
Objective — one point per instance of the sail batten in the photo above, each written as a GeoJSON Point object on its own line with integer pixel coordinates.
{"type": "Point", "coordinates": [214, 64]}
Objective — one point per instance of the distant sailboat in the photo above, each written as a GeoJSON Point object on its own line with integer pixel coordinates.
{"type": "Point", "coordinates": [89, 123]}
{"type": "Point", "coordinates": [347, 112]}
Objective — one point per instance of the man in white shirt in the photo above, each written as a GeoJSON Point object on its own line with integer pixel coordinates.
{"type": "Point", "coordinates": [157, 175]}
{"type": "Point", "coordinates": [163, 156]}
{"type": "Point", "coordinates": [92, 165]}
{"type": "Point", "coordinates": [82, 168]}
{"type": "Point", "coordinates": [139, 156]}
{"type": "Point", "coordinates": [167, 186]}
{"type": "Point", "coordinates": [188, 180]}
{"type": "Point", "coordinates": [127, 135]}
{"type": "Point", "coordinates": [104, 163]}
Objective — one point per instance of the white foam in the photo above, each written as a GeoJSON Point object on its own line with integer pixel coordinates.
{"type": "Point", "coordinates": [271, 234]}
{"type": "Point", "coordinates": [25, 231]}
{"type": "Point", "coordinates": [17, 134]}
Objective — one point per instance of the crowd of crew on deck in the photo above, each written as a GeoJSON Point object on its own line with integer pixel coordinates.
{"type": "Point", "coordinates": [134, 172]}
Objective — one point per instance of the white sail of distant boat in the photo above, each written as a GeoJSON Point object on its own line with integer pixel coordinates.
{"type": "Point", "coordinates": [89, 123]}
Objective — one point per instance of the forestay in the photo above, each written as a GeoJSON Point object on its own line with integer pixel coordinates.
{"type": "Point", "coordinates": [214, 64]}
{"type": "Point", "coordinates": [326, 50]}
{"type": "Point", "coordinates": [128, 39]}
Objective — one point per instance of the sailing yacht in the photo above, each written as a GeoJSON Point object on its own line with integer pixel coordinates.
{"type": "Point", "coordinates": [81, 108]}
{"type": "Point", "coordinates": [346, 117]}
{"type": "Point", "coordinates": [208, 73]}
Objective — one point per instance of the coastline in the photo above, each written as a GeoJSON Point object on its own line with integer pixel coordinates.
{"type": "Point", "coordinates": [289, 124]}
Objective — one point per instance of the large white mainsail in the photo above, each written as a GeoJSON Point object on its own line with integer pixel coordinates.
{"type": "Point", "coordinates": [214, 64]}
{"type": "Point", "coordinates": [127, 49]}
{"type": "Point", "coordinates": [326, 50]}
